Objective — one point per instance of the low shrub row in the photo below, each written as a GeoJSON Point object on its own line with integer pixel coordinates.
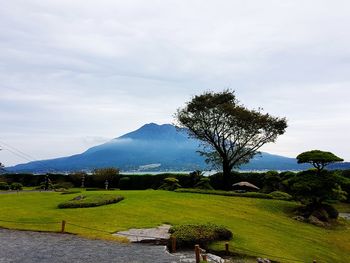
{"type": "Point", "coordinates": [225, 193]}
{"type": "Point", "coordinates": [82, 201]}
{"type": "Point", "coordinates": [202, 234]}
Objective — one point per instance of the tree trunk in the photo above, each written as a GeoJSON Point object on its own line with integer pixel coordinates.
{"type": "Point", "coordinates": [226, 173]}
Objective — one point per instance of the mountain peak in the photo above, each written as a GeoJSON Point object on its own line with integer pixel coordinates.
{"type": "Point", "coordinates": [153, 131]}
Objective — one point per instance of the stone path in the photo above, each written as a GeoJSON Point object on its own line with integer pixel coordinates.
{"type": "Point", "coordinates": [34, 247]}
{"type": "Point", "coordinates": [158, 234]}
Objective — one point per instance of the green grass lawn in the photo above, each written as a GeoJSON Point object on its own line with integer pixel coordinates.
{"type": "Point", "coordinates": [259, 226]}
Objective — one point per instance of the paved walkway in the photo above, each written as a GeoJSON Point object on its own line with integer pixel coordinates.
{"type": "Point", "coordinates": [33, 247]}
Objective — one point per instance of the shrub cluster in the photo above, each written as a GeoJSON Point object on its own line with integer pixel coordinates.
{"type": "Point", "coordinates": [170, 184]}
{"type": "Point", "coordinates": [4, 186]}
{"type": "Point", "coordinates": [91, 201]}
{"type": "Point", "coordinates": [14, 186]}
{"type": "Point", "coordinates": [189, 235]}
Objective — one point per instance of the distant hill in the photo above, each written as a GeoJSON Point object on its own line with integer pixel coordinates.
{"type": "Point", "coordinates": [150, 148]}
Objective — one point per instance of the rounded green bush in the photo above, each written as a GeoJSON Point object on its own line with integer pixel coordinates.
{"type": "Point", "coordinates": [170, 184]}
{"type": "Point", "coordinates": [82, 201]}
{"type": "Point", "coordinates": [189, 235]}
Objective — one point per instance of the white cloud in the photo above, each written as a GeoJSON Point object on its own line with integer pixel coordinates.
{"type": "Point", "coordinates": [79, 69]}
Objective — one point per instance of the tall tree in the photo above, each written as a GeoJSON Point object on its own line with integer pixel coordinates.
{"type": "Point", "coordinates": [319, 159]}
{"type": "Point", "coordinates": [231, 133]}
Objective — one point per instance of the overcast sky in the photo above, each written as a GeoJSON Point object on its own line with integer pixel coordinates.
{"type": "Point", "coordinates": [74, 74]}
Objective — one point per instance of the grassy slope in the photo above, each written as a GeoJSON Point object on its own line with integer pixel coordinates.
{"type": "Point", "coordinates": [258, 225]}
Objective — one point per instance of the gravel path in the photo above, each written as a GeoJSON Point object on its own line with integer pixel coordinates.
{"type": "Point", "coordinates": [33, 247]}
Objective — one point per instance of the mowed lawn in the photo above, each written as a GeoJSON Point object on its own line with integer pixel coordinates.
{"type": "Point", "coordinates": [261, 227]}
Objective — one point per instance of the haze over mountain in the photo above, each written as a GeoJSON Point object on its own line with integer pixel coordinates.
{"type": "Point", "coordinates": [150, 148]}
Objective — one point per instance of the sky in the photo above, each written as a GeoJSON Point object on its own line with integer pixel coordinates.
{"type": "Point", "coordinates": [74, 74]}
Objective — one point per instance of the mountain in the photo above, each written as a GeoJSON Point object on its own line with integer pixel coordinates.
{"type": "Point", "coordinates": [152, 147]}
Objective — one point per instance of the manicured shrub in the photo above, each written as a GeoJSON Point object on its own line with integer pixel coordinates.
{"type": "Point", "coordinates": [16, 186]}
{"type": "Point", "coordinates": [189, 235]}
{"type": "Point", "coordinates": [170, 184]}
{"type": "Point", "coordinates": [4, 186]}
{"type": "Point", "coordinates": [224, 193]}
{"type": "Point", "coordinates": [281, 195]}
{"type": "Point", "coordinates": [204, 183]}
{"type": "Point", "coordinates": [82, 201]}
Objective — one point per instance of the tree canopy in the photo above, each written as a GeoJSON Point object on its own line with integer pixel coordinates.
{"type": "Point", "coordinates": [319, 159]}
{"type": "Point", "coordinates": [231, 133]}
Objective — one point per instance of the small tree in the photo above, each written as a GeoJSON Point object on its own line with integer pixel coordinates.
{"type": "Point", "coordinates": [319, 159]}
{"type": "Point", "coordinates": [231, 133]}
{"type": "Point", "coordinates": [316, 191]}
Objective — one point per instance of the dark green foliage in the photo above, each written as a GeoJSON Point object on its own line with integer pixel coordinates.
{"type": "Point", "coordinates": [204, 183]}
{"type": "Point", "coordinates": [125, 183]}
{"type": "Point", "coordinates": [91, 201]}
{"type": "Point", "coordinates": [272, 182]}
{"type": "Point", "coordinates": [4, 186]}
{"type": "Point", "coordinates": [281, 195]}
{"type": "Point", "coordinates": [170, 184]}
{"type": "Point", "coordinates": [16, 186]}
{"type": "Point", "coordinates": [319, 159]}
{"type": "Point", "coordinates": [315, 189]}
{"type": "Point", "coordinates": [231, 133]}
{"type": "Point", "coordinates": [224, 193]}
{"type": "Point", "coordinates": [189, 235]}
{"type": "Point", "coordinates": [77, 178]}
{"type": "Point", "coordinates": [310, 187]}
{"type": "Point", "coordinates": [217, 181]}
{"type": "Point", "coordinates": [345, 182]}
{"type": "Point", "coordinates": [194, 178]}
{"type": "Point", "coordinates": [100, 176]}
{"type": "Point", "coordinates": [331, 211]}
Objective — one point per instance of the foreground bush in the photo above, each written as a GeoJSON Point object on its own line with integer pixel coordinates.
{"type": "Point", "coordinates": [224, 193]}
{"type": "Point", "coordinates": [82, 201]}
{"type": "Point", "coordinates": [189, 235]}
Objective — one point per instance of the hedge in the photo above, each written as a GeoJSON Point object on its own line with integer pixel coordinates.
{"type": "Point", "coordinates": [224, 193]}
